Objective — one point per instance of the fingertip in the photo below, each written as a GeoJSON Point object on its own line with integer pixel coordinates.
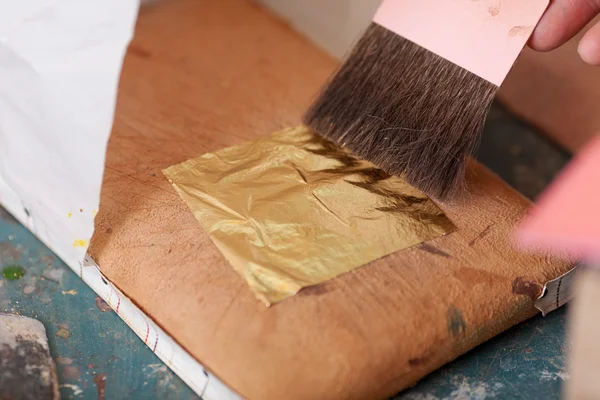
{"type": "Point", "coordinates": [561, 22]}
{"type": "Point", "coordinates": [544, 38]}
{"type": "Point", "coordinates": [542, 44]}
{"type": "Point", "coordinates": [589, 46]}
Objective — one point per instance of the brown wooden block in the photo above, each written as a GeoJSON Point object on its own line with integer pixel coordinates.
{"type": "Point", "coordinates": [204, 75]}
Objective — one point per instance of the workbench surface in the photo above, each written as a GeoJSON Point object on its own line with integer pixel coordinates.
{"type": "Point", "coordinates": [98, 356]}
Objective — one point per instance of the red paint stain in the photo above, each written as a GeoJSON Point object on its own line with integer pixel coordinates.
{"type": "Point", "coordinates": [147, 333]}
{"type": "Point", "coordinates": [100, 382]}
{"type": "Point", "coordinates": [118, 303]}
{"type": "Point", "coordinates": [527, 288]}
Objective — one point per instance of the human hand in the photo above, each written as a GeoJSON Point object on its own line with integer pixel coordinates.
{"type": "Point", "coordinates": [563, 20]}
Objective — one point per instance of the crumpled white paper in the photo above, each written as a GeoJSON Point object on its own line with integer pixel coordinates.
{"type": "Point", "coordinates": [60, 62]}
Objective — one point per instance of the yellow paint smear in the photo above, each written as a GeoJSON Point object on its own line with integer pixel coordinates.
{"type": "Point", "coordinates": [80, 243]}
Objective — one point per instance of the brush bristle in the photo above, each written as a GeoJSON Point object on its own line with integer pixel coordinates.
{"type": "Point", "coordinates": [405, 109]}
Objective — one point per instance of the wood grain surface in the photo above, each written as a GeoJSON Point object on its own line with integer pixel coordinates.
{"type": "Point", "coordinates": [557, 92]}
{"type": "Point", "coordinates": [203, 75]}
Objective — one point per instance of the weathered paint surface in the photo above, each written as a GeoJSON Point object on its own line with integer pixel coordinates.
{"type": "Point", "coordinates": [94, 351]}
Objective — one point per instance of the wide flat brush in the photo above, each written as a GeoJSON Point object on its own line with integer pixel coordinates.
{"type": "Point", "coordinates": [413, 94]}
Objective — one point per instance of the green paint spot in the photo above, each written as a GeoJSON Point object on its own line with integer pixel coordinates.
{"type": "Point", "coordinates": [13, 272]}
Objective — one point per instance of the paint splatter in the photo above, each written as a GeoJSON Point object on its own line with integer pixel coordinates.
{"type": "Point", "coordinates": [100, 381]}
{"type": "Point", "coordinates": [528, 288]}
{"type": "Point", "coordinates": [54, 275]}
{"type": "Point", "coordinates": [80, 243]}
{"type": "Point", "coordinates": [28, 289]}
{"type": "Point", "coordinates": [546, 375]}
{"type": "Point", "coordinates": [476, 390]}
{"type": "Point", "coordinates": [456, 323]}
{"type": "Point", "coordinates": [72, 292]}
{"type": "Point", "coordinates": [161, 374]}
{"type": "Point", "coordinates": [462, 388]}
{"type": "Point", "coordinates": [63, 332]}
{"type": "Point", "coordinates": [76, 389]}
{"type": "Point", "coordinates": [101, 304]}
{"type": "Point", "coordinates": [13, 272]}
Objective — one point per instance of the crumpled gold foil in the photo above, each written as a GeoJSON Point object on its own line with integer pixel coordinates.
{"type": "Point", "coordinates": [291, 210]}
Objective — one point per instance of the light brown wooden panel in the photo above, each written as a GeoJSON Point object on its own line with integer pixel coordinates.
{"type": "Point", "coordinates": [203, 75]}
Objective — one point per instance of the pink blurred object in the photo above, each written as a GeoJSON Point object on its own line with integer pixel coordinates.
{"type": "Point", "coordinates": [566, 218]}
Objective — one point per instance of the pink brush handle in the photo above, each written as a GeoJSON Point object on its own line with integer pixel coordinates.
{"type": "Point", "coordinates": [482, 36]}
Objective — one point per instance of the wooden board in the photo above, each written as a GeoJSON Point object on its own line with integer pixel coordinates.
{"type": "Point", "coordinates": [203, 75]}
{"type": "Point", "coordinates": [557, 92]}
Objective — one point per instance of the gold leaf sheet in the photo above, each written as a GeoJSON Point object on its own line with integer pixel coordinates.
{"type": "Point", "coordinates": [291, 210]}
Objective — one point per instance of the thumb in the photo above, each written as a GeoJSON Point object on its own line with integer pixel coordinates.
{"type": "Point", "coordinates": [589, 47]}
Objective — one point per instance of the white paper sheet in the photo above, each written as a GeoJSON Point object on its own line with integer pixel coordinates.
{"type": "Point", "coordinates": [60, 62]}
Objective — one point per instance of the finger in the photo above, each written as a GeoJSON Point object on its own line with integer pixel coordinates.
{"type": "Point", "coordinates": [562, 20]}
{"type": "Point", "coordinates": [589, 47]}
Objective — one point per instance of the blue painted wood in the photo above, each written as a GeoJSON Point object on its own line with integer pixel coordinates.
{"type": "Point", "coordinates": [93, 347]}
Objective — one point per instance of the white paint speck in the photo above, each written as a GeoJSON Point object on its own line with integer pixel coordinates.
{"type": "Point", "coordinates": [54, 274]}
{"type": "Point", "coordinates": [76, 389]}
{"type": "Point", "coordinates": [476, 390]}
{"type": "Point", "coordinates": [546, 375]}
{"type": "Point", "coordinates": [464, 389]}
